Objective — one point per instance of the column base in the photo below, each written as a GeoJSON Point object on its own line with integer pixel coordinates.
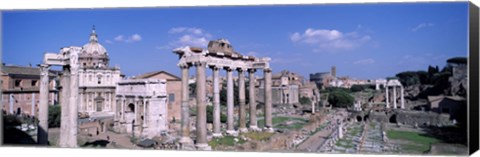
{"type": "Point", "coordinates": [217, 135]}
{"type": "Point", "coordinates": [254, 128]}
{"type": "Point", "coordinates": [203, 146]}
{"type": "Point", "coordinates": [270, 130]}
{"type": "Point", "coordinates": [242, 130]}
{"type": "Point", "coordinates": [232, 132]}
{"type": "Point", "coordinates": [185, 140]}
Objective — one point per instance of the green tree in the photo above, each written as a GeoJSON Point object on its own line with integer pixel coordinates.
{"type": "Point", "coordinates": [340, 99]}
{"type": "Point", "coordinates": [305, 101]}
{"type": "Point", "coordinates": [54, 116]}
{"type": "Point", "coordinates": [223, 117]}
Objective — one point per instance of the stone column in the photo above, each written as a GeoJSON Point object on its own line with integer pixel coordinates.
{"type": "Point", "coordinates": [11, 100]}
{"type": "Point", "coordinates": [137, 114]}
{"type": "Point", "coordinates": [144, 112]}
{"type": "Point", "coordinates": [230, 129]}
{"type": "Point", "coordinates": [313, 105]}
{"type": "Point", "coordinates": [42, 131]}
{"type": "Point", "coordinates": [268, 99]}
{"type": "Point", "coordinates": [252, 101]}
{"type": "Point", "coordinates": [185, 115]}
{"type": "Point", "coordinates": [395, 97]}
{"type": "Point", "coordinates": [216, 103]}
{"type": "Point", "coordinates": [201, 91]}
{"type": "Point", "coordinates": [386, 97]}
{"type": "Point", "coordinates": [241, 98]}
{"type": "Point", "coordinates": [74, 90]}
{"type": "Point", "coordinates": [65, 108]}
{"type": "Point", "coordinates": [340, 130]}
{"type": "Point", "coordinates": [402, 100]}
{"type": "Point", "coordinates": [122, 119]}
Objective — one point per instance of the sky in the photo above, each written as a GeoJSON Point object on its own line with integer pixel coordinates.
{"type": "Point", "coordinates": [363, 41]}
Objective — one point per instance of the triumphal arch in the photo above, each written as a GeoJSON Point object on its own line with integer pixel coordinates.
{"type": "Point", "coordinates": [221, 56]}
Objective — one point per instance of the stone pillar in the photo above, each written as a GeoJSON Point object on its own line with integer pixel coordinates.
{"type": "Point", "coordinates": [395, 97]}
{"type": "Point", "coordinates": [252, 101]}
{"type": "Point", "coordinates": [402, 100]}
{"type": "Point", "coordinates": [201, 91]}
{"type": "Point", "coordinates": [340, 130]}
{"type": "Point", "coordinates": [216, 103]}
{"type": "Point", "coordinates": [144, 112]}
{"type": "Point", "coordinates": [230, 129]}
{"type": "Point", "coordinates": [137, 114]}
{"type": "Point", "coordinates": [65, 108]}
{"type": "Point", "coordinates": [122, 119]}
{"type": "Point", "coordinates": [74, 90]}
{"type": "Point", "coordinates": [185, 122]}
{"type": "Point", "coordinates": [313, 105]}
{"type": "Point", "coordinates": [268, 99]}
{"type": "Point", "coordinates": [386, 97]}
{"type": "Point", "coordinates": [241, 98]}
{"type": "Point", "coordinates": [42, 131]}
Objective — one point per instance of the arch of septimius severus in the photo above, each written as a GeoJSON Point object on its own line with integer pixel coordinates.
{"type": "Point", "coordinates": [220, 55]}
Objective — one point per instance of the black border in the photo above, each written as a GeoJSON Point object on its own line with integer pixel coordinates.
{"type": "Point", "coordinates": [473, 95]}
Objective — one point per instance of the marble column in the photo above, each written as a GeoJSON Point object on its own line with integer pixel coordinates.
{"type": "Point", "coordinates": [241, 98]}
{"type": "Point", "coordinates": [216, 103]}
{"type": "Point", "coordinates": [122, 102]}
{"type": "Point", "coordinates": [395, 97]}
{"type": "Point", "coordinates": [137, 113]}
{"type": "Point", "coordinates": [65, 107]}
{"type": "Point", "coordinates": [144, 112]}
{"type": "Point", "coordinates": [252, 101]}
{"type": "Point", "coordinates": [11, 100]}
{"type": "Point", "coordinates": [268, 99]}
{"type": "Point", "coordinates": [402, 100]}
{"type": "Point", "coordinates": [201, 91]}
{"type": "Point", "coordinates": [340, 130]}
{"type": "Point", "coordinates": [386, 97]}
{"type": "Point", "coordinates": [74, 90]}
{"type": "Point", "coordinates": [230, 128]}
{"type": "Point", "coordinates": [185, 112]}
{"type": "Point", "coordinates": [42, 131]}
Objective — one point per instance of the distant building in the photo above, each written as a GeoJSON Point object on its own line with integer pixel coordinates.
{"type": "Point", "coordinates": [97, 81]}
{"type": "Point", "coordinates": [322, 79]}
{"type": "Point", "coordinates": [455, 106]}
{"type": "Point", "coordinates": [20, 89]}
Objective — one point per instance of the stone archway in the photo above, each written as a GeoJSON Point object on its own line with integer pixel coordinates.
{"type": "Point", "coordinates": [131, 107]}
{"type": "Point", "coordinates": [359, 118]}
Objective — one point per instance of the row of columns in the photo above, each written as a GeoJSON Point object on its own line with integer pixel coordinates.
{"type": "Point", "coordinates": [387, 97]}
{"type": "Point", "coordinates": [201, 141]}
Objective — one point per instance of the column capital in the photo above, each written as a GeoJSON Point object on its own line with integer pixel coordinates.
{"type": "Point", "coordinates": [241, 69]}
{"type": "Point", "coordinates": [252, 70]}
{"type": "Point", "coordinates": [267, 70]}
{"type": "Point", "coordinates": [228, 68]}
{"type": "Point", "coordinates": [215, 67]}
{"type": "Point", "coordinates": [183, 66]}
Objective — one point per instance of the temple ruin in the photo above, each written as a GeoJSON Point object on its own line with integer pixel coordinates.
{"type": "Point", "coordinates": [220, 55]}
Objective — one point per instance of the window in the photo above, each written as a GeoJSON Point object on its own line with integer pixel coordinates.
{"type": "Point", "coordinates": [171, 97]}
{"type": "Point", "coordinates": [18, 83]}
{"type": "Point", "coordinates": [99, 80]}
{"type": "Point", "coordinates": [34, 83]}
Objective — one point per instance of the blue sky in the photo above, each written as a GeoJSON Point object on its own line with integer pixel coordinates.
{"type": "Point", "coordinates": [364, 41]}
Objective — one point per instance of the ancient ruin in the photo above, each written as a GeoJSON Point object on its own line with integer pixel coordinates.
{"type": "Point", "coordinates": [220, 55]}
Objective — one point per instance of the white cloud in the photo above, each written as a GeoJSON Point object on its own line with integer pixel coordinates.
{"type": "Point", "coordinates": [422, 25]}
{"type": "Point", "coordinates": [324, 39]}
{"type": "Point", "coordinates": [120, 38]}
{"type": "Point", "coordinates": [252, 53]}
{"type": "Point", "coordinates": [187, 36]}
{"type": "Point", "coordinates": [364, 61]}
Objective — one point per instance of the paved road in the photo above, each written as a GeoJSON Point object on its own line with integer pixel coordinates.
{"type": "Point", "coordinates": [314, 142]}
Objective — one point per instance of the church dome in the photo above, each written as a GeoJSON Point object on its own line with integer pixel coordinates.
{"type": "Point", "coordinates": [93, 47]}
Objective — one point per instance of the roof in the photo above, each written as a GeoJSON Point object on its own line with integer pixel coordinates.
{"type": "Point", "coordinates": [22, 70]}
{"type": "Point", "coordinates": [150, 74]}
